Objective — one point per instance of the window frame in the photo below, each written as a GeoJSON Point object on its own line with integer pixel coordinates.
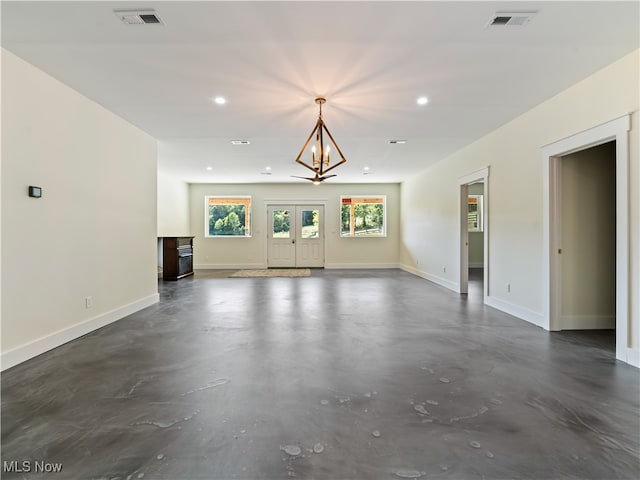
{"type": "Point", "coordinates": [370, 199]}
{"type": "Point", "coordinates": [229, 200]}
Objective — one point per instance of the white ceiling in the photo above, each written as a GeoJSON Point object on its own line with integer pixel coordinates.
{"type": "Point", "coordinates": [371, 60]}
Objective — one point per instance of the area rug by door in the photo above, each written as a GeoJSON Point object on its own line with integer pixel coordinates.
{"type": "Point", "coordinates": [273, 272]}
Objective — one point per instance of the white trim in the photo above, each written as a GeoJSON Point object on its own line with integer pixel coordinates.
{"type": "Point", "coordinates": [357, 266]}
{"type": "Point", "coordinates": [41, 345]}
{"type": "Point", "coordinates": [443, 282]}
{"type": "Point", "coordinates": [474, 176]}
{"type": "Point", "coordinates": [229, 266]}
{"type": "Point", "coordinates": [616, 129]}
{"type": "Point", "coordinates": [476, 265]}
{"type": "Point", "coordinates": [633, 357]}
{"type": "Point", "coordinates": [463, 218]}
{"type": "Point", "coordinates": [516, 310]}
{"type": "Point", "coordinates": [588, 322]}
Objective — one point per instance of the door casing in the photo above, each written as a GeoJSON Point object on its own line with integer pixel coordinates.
{"type": "Point", "coordinates": [618, 130]}
{"type": "Point", "coordinates": [481, 175]}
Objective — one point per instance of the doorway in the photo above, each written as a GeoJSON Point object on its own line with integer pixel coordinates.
{"type": "Point", "coordinates": [474, 226]}
{"type": "Point", "coordinates": [295, 236]}
{"type": "Point", "coordinates": [616, 130]}
{"type": "Point", "coordinates": [587, 220]}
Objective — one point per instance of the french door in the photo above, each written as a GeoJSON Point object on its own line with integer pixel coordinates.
{"type": "Point", "coordinates": [296, 236]}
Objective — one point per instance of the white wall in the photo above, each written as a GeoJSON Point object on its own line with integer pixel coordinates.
{"type": "Point", "coordinates": [513, 152]}
{"type": "Point", "coordinates": [339, 252]}
{"type": "Point", "coordinates": [589, 238]}
{"type": "Point", "coordinates": [93, 232]}
{"type": "Point", "coordinates": [173, 206]}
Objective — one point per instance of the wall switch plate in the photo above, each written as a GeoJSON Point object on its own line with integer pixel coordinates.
{"type": "Point", "coordinates": [88, 302]}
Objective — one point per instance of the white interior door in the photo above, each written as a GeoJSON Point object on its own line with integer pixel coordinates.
{"type": "Point", "coordinates": [310, 236]}
{"type": "Point", "coordinates": [296, 236]}
{"type": "Point", "coordinates": [281, 247]}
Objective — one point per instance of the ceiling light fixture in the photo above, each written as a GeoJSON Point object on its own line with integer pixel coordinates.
{"type": "Point", "coordinates": [209, 168]}
{"type": "Point", "coordinates": [320, 151]}
{"type": "Point", "coordinates": [397, 142]}
{"type": "Point", "coordinates": [240, 142]}
{"type": "Point", "coordinates": [220, 100]}
{"type": "Point", "coordinates": [422, 100]}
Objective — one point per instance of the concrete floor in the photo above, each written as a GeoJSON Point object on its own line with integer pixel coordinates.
{"type": "Point", "coordinates": [342, 375]}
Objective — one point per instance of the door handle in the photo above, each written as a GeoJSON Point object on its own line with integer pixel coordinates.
{"type": "Point", "coordinates": [293, 241]}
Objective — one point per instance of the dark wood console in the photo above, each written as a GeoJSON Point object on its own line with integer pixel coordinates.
{"type": "Point", "coordinates": [177, 257]}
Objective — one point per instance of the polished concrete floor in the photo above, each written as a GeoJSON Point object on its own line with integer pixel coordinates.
{"type": "Point", "coordinates": [366, 374]}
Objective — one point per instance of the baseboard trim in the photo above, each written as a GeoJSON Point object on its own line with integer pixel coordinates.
{"type": "Point", "coordinates": [443, 282]}
{"type": "Point", "coordinates": [41, 345]}
{"type": "Point", "coordinates": [229, 266]}
{"type": "Point", "coordinates": [356, 266]}
{"type": "Point", "coordinates": [587, 322]}
{"type": "Point", "coordinates": [516, 310]}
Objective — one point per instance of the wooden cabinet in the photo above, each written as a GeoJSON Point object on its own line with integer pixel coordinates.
{"type": "Point", "coordinates": [177, 257]}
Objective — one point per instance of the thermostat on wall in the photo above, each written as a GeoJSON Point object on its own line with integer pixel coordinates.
{"type": "Point", "coordinates": [35, 192]}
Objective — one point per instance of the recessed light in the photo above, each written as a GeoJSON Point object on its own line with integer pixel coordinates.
{"type": "Point", "coordinates": [397, 142]}
{"type": "Point", "coordinates": [422, 100]}
{"type": "Point", "coordinates": [366, 169]}
{"type": "Point", "coordinates": [240, 142]}
{"type": "Point", "coordinates": [267, 168]}
{"type": "Point", "coordinates": [209, 168]}
{"type": "Point", "coordinates": [220, 100]}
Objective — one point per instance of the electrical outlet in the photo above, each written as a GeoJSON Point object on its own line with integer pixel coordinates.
{"type": "Point", "coordinates": [508, 288]}
{"type": "Point", "coordinates": [444, 269]}
{"type": "Point", "coordinates": [88, 302]}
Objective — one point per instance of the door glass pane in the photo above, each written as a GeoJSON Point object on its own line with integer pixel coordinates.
{"type": "Point", "coordinates": [281, 227]}
{"type": "Point", "coordinates": [309, 221]}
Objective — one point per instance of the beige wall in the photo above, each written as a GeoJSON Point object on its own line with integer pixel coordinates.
{"type": "Point", "coordinates": [93, 232]}
{"type": "Point", "coordinates": [339, 252]}
{"type": "Point", "coordinates": [513, 152]}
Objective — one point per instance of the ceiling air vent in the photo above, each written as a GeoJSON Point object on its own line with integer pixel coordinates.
{"type": "Point", "coordinates": [138, 17]}
{"type": "Point", "coordinates": [511, 19]}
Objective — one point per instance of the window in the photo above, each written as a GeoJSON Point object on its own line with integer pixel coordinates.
{"type": "Point", "coordinates": [474, 213]}
{"type": "Point", "coordinates": [227, 217]}
{"type": "Point", "coordinates": [281, 224]}
{"type": "Point", "coordinates": [363, 216]}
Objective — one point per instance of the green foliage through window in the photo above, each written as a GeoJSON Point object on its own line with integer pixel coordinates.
{"type": "Point", "coordinates": [228, 216]}
{"type": "Point", "coordinates": [362, 216]}
{"type": "Point", "coordinates": [281, 224]}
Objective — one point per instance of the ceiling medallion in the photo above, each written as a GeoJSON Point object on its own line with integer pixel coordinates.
{"type": "Point", "coordinates": [320, 151]}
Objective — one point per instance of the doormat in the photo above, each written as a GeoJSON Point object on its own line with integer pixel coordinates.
{"type": "Point", "coordinates": [272, 272]}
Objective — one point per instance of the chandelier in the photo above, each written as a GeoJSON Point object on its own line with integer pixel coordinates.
{"type": "Point", "coordinates": [321, 161]}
